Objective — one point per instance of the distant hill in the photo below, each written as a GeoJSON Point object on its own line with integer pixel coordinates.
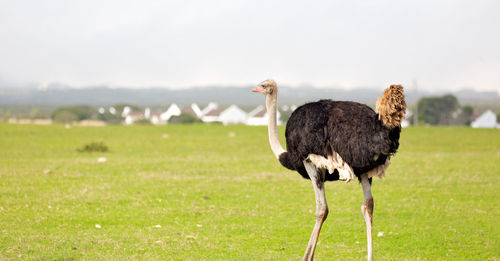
{"type": "Point", "coordinates": [102, 95]}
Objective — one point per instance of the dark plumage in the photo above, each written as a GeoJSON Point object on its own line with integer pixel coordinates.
{"type": "Point", "coordinates": [351, 129]}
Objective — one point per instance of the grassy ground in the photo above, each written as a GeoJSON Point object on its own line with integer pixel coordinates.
{"type": "Point", "coordinates": [217, 193]}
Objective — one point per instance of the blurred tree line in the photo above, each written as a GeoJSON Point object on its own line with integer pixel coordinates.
{"type": "Point", "coordinates": [184, 119]}
{"type": "Point", "coordinates": [444, 110]}
{"type": "Point", "coordinates": [25, 111]}
{"type": "Point", "coordinates": [68, 114]}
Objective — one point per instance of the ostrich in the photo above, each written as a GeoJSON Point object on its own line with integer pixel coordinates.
{"type": "Point", "coordinates": [338, 140]}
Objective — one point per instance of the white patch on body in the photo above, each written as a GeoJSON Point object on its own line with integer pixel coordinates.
{"type": "Point", "coordinates": [346, 173]}
{"type": "Point", "coordinates": [331, 163]}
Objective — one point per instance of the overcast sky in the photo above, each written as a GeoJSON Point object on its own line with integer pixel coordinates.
{"type": "Point", "coordinates": [444, 44]}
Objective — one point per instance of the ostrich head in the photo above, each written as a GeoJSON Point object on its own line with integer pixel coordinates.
{"type": "Point", "coordinates": [266, 87]}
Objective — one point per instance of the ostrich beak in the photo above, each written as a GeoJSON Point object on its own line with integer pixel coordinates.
{"type": "Point", "coordinates": [258, 89]}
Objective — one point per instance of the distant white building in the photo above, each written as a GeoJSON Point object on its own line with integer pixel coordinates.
{"type": "Point", "coordinates": [259, 116]}
{"type": "Point", "coordinates": [192, 110]}
{"type": "Point", "coordinates": [486, 120]}
{"type": "Point", "coordinates": [133, 116]}
{"type": "Point", "coordinates": [210, 107]}
{"type": "Point", "coordinates": [196, 109]}
{"type": "Point", "coordinates": [231, 115]}
{"type": "Point", "coordinates": [212, 116]}
{"type": "Point", "coordinates": [173, 110]}
{"type": "Point", "coordinates": [126, 111]}
{"type": "Point", "coordinates": [155, 118]}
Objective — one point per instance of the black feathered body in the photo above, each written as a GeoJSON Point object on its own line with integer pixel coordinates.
{"type": "Point", "coordinates": [350, 129]}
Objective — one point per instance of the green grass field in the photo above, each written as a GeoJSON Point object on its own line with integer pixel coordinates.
{"type": "Point", "coordinates": [217, 193]}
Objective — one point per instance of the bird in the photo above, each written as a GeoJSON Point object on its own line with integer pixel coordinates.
{"type": "Point", "coordinates": [331, 140]}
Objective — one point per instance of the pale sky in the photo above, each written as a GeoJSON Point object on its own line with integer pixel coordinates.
{"type": "Point", "coordinates": [444, 44]}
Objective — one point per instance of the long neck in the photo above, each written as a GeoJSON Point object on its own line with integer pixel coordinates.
{"type": "Point", "coordinates": [272, 128]}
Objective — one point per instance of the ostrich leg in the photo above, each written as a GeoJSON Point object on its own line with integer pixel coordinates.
{"type": "Point", "coordinates": [367, 210]}
{"type": "Point", "coordinates": [318, 180]}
